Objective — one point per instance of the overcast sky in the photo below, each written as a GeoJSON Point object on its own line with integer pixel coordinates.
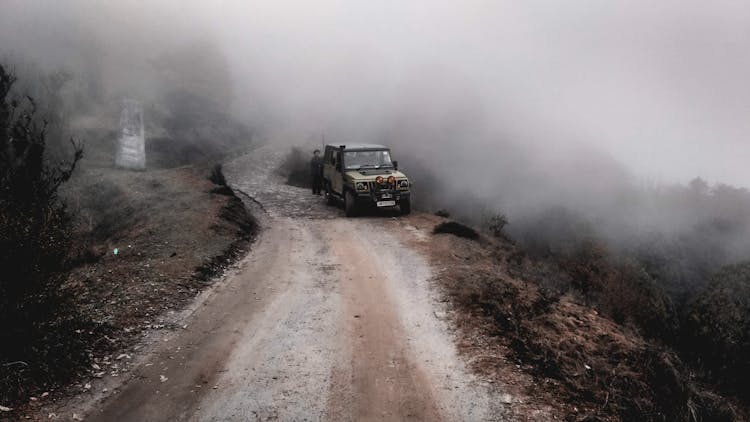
{"type": "Point", "coordinates": [660, 86]}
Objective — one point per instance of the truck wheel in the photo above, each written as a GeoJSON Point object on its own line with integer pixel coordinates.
{"type": "Point", "coordinates": [329, 195]}
{"type": "Point", "coordinates": [349, 204]}
{"type": "Point", "coordinates": [405, 205]}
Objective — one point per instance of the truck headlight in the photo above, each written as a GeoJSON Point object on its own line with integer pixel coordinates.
{"type": "Point", "coordinates": [361, 186]}
{"type": "Point", "coordinates": [403, 184]}
{"type": "Point", "coordinates": [391, 180]}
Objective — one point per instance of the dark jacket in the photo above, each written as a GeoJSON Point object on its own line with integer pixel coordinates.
{"type": "Point", "coordinates": [316, 166]}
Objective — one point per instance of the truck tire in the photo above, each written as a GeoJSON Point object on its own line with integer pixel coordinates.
{"type": "Point", "coordinates": [405, 205]}
{"type": "Point", "coordinates": [350, 205]}
{"type": "Point", "coordinates": [330, 200]}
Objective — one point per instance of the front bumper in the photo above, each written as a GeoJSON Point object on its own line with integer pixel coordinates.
{"type": "Point", "coordinates": [382, 195]}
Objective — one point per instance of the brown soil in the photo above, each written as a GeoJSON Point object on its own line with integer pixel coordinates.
{"type": "Point", "coordinates": [174, 229]}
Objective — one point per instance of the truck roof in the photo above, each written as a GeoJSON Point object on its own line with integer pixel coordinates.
{"type": "Point", "coordinates": [358, 147]}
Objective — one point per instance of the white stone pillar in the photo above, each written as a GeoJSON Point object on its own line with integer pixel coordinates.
{"type": "Point", "coordinates": [131, 149]}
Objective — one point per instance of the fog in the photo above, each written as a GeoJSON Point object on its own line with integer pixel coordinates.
{"type": "Point", "coordinates": [523, 107]}
{"type": "Point", "coordinates": [660, 88]}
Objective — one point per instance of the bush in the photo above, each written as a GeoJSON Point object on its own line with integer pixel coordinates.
{"type": "Point", "coordinates": [608, 371]}
{"type": "Point", "coordinates": [456, 229]}
{"type": "Point", "coordinates": [495, 223]}
{"type": "Point", "coordinates": [621, 289]}
{"type": "Point", "coordinates": [37, 321]}
{"type": "Point", "coordinates": [717, 329]}
{"type": "Point", "coordinates": [443, 213]}
{"type": "Point", "coordinates": [218, 179]}
{"type": "Point", "coordinates": [296, 169]}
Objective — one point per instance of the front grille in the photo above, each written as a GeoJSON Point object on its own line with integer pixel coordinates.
{"type": "Point", "coordinates": [374, 187]}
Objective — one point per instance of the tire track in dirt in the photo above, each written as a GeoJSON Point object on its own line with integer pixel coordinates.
{"type": "Point", "coordinates": [184, 367]}
{"type": "Point", "coordinates": [375, 378]}
{"type": "Point", "coordinates": [281, 365]}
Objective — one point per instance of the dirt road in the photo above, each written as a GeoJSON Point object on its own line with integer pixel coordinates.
{"type": "Point", "coordinates": [327, 318]}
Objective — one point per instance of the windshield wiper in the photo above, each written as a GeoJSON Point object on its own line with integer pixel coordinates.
{"type": "Point", "coordinates": [367, 166]}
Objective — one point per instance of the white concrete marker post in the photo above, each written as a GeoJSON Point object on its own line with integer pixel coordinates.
{"type": "Point", "coordinates": [131, 150]}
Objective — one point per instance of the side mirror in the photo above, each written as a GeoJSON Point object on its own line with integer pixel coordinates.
{"type": "Point", "coordinates": [395, 165]}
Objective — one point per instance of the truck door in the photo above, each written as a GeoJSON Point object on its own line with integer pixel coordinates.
{"type": "Point", "coordinates": [337, 181]}
{"type": "Point", "coordinates": [328, 170]}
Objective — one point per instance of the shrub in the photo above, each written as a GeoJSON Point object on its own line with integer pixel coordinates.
{"type": "Point", "coordinates": [37, 322]}
{"type": "Point", "coordinates": [608, 371]}
{"type": "Point", "coordinates": [621, 289]}
{"type": "Point", "coordinates": [296, 169]}
{"type": "Point", "coordinates": [456, 229]}
{"type": "Point", "coordinates": [495, 223]}
{"type": "Point", "coordinates": [442, 213]}
{"type": "Point", "coordinates": [218, 179]}
{"type": "Point", "coordinates": [717, 329]}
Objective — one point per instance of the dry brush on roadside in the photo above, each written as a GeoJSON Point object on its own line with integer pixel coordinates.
{"type": "Point", "coordinates": [44, 336]}
{"type": "Point", "coordinates": [296, 168]}
{"type": "Point", "coordinates": [577, 327]}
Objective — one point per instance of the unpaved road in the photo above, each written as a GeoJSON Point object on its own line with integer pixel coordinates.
{"type": "Point", "coordinates": [327, 318]}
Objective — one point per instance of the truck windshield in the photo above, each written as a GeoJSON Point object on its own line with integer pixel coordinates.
{"type": "Point", "coordinates": [367, 159]}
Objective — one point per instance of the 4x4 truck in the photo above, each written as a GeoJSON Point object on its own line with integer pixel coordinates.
{"type": "Point", "coordinates": [362, 175]}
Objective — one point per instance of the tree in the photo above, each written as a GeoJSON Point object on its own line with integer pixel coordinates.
{"type": "Point", "coordinates": [699, 186]}
{"type": "Point", "coordinates": [35, 234]}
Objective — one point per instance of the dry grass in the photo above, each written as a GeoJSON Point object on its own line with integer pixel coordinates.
{"type": "Point", "coordinates": [173, 230]}
{"type": "Point", "coordinates": [513, 310]}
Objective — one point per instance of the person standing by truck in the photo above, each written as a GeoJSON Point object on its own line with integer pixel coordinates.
{"type": "Point", "coordinates": [316, 172]}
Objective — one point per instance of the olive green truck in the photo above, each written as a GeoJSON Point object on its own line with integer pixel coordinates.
{"type": "Point", "coordinates": [361, 175]}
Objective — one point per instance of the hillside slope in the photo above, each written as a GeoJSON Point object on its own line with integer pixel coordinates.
{"type": "Point", "coordinates": [511, 316]}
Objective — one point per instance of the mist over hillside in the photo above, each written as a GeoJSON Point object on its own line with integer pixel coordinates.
{"type": "Point", "coordinates": [89, 60]}
{"type": "Point", "coordinates": [660, 89]}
